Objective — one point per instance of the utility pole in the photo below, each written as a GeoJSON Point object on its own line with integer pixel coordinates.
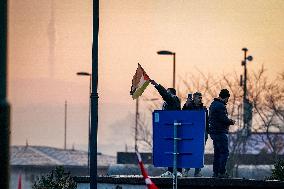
{"type": "Point", "coordinates": [247, 105]}
{"type": "Point", "coordinates": [65, 124]}
{"type": "Point", "coordinates": [4, 105]}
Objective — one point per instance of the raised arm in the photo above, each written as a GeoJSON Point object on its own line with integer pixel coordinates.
{"type": "Point", "coordinates": [168, 97]}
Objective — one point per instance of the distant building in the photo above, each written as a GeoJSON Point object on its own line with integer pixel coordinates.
{"type": "Point", "coordinates": [33, 161]}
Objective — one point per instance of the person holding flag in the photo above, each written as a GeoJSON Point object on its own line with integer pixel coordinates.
{"type": "Point", "coordinates": [171, 102]}
{"type": "Point", "coordinates": [140, 82]}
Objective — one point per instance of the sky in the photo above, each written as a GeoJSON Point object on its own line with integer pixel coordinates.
{"type": "Point", "coordinates": [50, 41]}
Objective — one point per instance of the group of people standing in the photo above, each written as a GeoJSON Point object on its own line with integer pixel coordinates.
{"type": "Point", "coordinates": [217, 126]}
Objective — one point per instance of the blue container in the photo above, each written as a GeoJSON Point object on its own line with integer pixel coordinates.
{"type": "Point", "coordinates": [190, 146]}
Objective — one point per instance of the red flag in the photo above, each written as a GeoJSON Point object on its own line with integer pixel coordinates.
{"type": "Point", "coordinates": [149, 183]}
{"type": "Point", "coordinates": [20, 182]}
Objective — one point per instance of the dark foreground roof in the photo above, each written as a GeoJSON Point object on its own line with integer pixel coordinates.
{"type": "Point", "coordinates": [203, 182]}
{"type": "Point", "coordinates": [242, 159]}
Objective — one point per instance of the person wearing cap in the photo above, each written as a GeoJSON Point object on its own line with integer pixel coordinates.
{"type": "Point", "coordinates": [196, 104]}
{"type": "Point", "coordinates": [171, 102]}
{"type": "Point", "coordinates": [219, 124]}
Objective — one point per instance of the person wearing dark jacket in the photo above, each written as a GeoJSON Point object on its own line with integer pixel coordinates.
{"type": "Point", "coordinates": [196, 104]}
{"type": "Point", "coordinates": [171, 102]}
{"type": "Point", "coordinates": [219, 124]}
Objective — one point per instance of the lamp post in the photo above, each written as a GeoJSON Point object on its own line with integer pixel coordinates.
{"type": "Point", "coordinates": [4, 105]}
{"type": "Point", "coordinates": [165, 52]}
{"type": "Point", "coordinates": [90, 90]}
{"type": "Point", "coordinates": [246, 104]}
{"type": "Point", "coordinates": [94, 98]}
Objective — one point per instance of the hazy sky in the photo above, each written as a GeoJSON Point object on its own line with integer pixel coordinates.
{"type": "Point", "coordinates": [50, 40]}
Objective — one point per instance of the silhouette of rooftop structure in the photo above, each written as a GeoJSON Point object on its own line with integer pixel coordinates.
{"type": "Point", "coordinates": [47, 156]}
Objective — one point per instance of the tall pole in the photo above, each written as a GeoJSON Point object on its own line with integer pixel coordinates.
{"type": "Point", "coordinates": [4, 105]}
{"type": "Point", "coordinates": [244, 63]}
{"type": "Point", "coordinates": [89, 130]}
{"type": "Point", "coordinates": [174, 70]}
{"type": "Point", "coordinates": [65, 124]}
{"type": "Point", "coordinates": [94, 98]}
{"type": "Point", "coordinates": [245, 74]}
{"type": "Point", "coordinates": [136, 124]}
{"type": "Point", "coordinates": [246, 104]}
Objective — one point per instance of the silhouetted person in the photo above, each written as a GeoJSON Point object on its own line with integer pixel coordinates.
{"type": "Point", "coordinates": [171, 102]}
{"type": "Point", "coordinates": [196, 104]}
{"type": "Point", "coordinates": [218, 129]}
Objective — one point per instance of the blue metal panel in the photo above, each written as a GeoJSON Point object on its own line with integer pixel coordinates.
{"type": "Point", "coordinates": [191, 133]}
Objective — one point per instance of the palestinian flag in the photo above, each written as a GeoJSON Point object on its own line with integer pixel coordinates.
{"type": "Point", "coordinates": [139, 82]}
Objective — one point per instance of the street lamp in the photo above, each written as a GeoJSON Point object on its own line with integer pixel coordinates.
{"type": "Point", "coordinates": [90, 90]}
{"type": "Point", "coordinates": [164, 52]}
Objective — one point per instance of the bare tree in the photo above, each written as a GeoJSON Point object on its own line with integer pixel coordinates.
{"type": "Point", "coordinates": [144, 138]}
{"type": "Point", "coordinates": [145, 134]}
{"type": "Point", "coordinates": [268, 100]}
{"type": "Point", "coordinates": [210, 88]}
{"type": "Point", "coordinates": [266, 95]}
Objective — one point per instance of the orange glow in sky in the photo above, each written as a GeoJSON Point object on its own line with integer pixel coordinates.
{"type": "Point", "coordinates": [50, 41]}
